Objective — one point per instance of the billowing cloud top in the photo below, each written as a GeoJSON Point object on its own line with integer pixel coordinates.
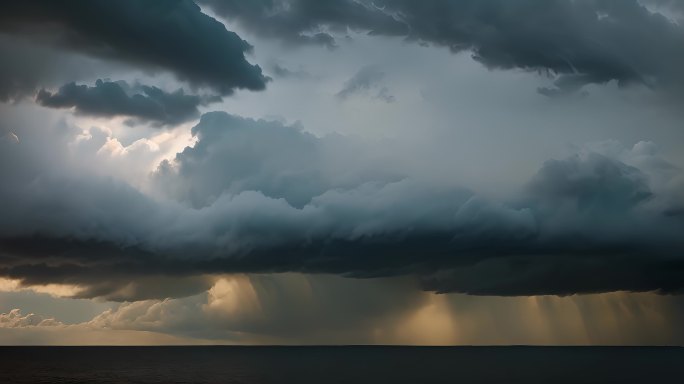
{"type": "Point", "coordinates": [258, 196]}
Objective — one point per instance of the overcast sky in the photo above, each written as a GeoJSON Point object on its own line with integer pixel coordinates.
{"type": "Point", "coordinates": [349, 171]}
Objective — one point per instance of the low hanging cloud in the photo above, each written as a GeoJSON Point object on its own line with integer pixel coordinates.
{"type": "Point", "coordinates": [305, 21]}
{"type": "Point", "coordinates": [578, 42]}
{"type": "Point", "coordinates": [141, 33]}
{"type": "Point", "coordinates": [259, 196]}
{"type": "Point", "coordinates": [140, 102]}
{"type": "Point", "coordinates": [28, 65]}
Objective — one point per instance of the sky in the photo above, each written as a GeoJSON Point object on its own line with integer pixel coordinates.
{"type": "Point", "coordinates": [443, 172]}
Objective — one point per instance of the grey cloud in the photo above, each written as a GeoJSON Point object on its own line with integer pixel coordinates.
{"type": "Point", "coordinates": [229, 159]}
{"type": "Point", "coordinates": [601, 270]}
{"type": "Point", "coordinates": [590, 182]}
{"type": "Point", "coordinates": [28, 65]}
{"type": "Point", "coordinates": [578, 42]}
{"type": "Point", "coordinates": [150, 34]}
{"type": "Point", "coordinates": [258, 196]}
{"type": "Point", "coordinates": [367, 79]}
{"type": "Point", "coordinates": [140, 102]}
{"type": "Point", "coordinates": [592, 211]}
{"type": "Point", "coordinates": [566, 85]}
{"type": "Point", "coordinates": [143, 287]}
{"type": "Point", "coordinates": [305, 21]}
{"type": "Point", "coordinates": [591, 41]}
{"type": "Point", "coordinates": [667, 4]}
{"type": "Point", "coordinates": [20, 72]}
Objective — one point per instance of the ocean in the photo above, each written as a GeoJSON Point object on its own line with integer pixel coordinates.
{"type": "Point", "coordinates": [343, 364]}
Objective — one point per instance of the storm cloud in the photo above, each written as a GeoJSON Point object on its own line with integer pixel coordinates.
{"type": "Point", "coordinates": [259, 196]}
{"type": "Point", "coordinates": [305, 21]}
{"type": "Point", "coordinates": [141, 33]}
{"type": "Point", "coordinates": [28, 65]}
{"type": "Point", "coordinates": [576, 42]}
{"type": "Point", "coordinates": [110, 99]}
{"type": "Point", "coordinates": [316, 309]}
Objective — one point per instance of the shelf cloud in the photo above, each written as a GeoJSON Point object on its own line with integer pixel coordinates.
{"type": "Point", "coordinates": [258, 196]}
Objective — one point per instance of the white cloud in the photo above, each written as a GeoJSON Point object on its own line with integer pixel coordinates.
{"type": "Point", "coordinates": [15, 319]}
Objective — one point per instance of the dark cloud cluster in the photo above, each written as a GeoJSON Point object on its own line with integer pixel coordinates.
{"type": "Point", "coordinates": [576, 42]}
{"type": "Point", "coordinates": [258, 196]}
{"type": "Point", "coordinates": [594, 41]}
{"type": "Point", "coordinates": [581, 42]}
{"type": "Point", "coordinates": [305, 21]}
{"type": "Point", "coordinates": [596, 226]}
{"type": "Point", "coordinates": [139, 102]}
{"type": "Point", "coordinates": [27, 66]}
{"type": "Point", "coordinates": [173, 36]}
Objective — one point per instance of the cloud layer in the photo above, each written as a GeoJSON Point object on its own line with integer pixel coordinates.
{"type": "Point", "coordinates": [259, 196]}
{"type": "Point", "coordinates": [111, 99]}
{"type": "Point", "coordinates": [305, 21]}
{"type": "Point", "coordinates": [580, 42]}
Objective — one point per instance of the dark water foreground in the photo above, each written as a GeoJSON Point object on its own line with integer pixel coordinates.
{"type": "Point", "coordinates": [255, 365]}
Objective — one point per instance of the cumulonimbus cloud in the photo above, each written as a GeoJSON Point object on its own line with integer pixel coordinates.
{"type": "Point", "coordinates": [259, 196]}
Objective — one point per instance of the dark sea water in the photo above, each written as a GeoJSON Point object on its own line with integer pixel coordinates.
{"type": "Point", "coordinates": [341, 365]}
